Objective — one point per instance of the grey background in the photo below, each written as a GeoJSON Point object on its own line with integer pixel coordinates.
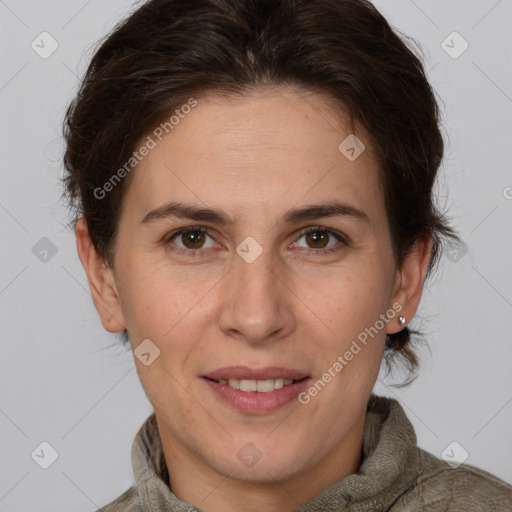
{"type": "Point", "coordinates": [66, 381]}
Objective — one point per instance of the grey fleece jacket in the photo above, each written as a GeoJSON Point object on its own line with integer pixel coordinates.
{"type": "Point", "coordinates": [394, 476]}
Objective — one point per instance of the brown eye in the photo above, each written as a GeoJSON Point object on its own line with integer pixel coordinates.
{"type": "Point", "coordinates": [317, 239]}
{"type": "Point", "coordinates": [189, 240]}
{"type": "Point", "coordinates": [320, 241]}
{"type": "Point", "coordinates": [193, 239]}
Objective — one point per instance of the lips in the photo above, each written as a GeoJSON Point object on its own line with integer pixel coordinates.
{"type": "Point", "coordinates": [256, 391]}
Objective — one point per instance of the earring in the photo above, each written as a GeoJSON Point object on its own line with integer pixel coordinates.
{"type": "Point", "coordinates": [401, 320]}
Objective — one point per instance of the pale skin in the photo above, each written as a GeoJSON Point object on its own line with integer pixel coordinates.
{"type": "Point", "coordinates": [255, 158]}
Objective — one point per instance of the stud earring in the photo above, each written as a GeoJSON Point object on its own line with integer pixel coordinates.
{"type": "Point", "coordinates": [401, 320]}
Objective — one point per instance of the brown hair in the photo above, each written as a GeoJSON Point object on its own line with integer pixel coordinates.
{"type": "Point", "coordinates": [169, 50]}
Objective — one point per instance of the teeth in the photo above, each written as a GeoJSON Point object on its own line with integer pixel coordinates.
{"type": "Point", "coordinates": [264, 386]}
{"type": "Point", "coordinates": [247, 385]}
{"type": "Point", "coordinates": [233, 383]}
{"type": "Point", "coordinates": [279, 383]}
{"type": "Point", "coordinates": [261, 386]}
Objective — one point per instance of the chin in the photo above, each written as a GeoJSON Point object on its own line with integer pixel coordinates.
{"type": "Point", "coordinates": [264, 465]}
{"type": "Point", "coordinates": [261, 473]}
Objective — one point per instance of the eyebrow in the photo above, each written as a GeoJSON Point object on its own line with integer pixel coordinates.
{"type": "Point", "coordinates": [215, 216]}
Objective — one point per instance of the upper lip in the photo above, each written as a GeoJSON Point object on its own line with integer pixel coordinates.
{"type": "Point", "coordinates": [246, 373]}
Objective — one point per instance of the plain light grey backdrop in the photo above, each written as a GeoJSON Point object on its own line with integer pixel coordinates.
{"type": "Point", "coordinates": [66, 382]}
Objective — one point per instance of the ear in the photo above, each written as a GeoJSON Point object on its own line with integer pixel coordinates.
{"type": "Point", "coordinates": [101, 280]}
{"type": "Point", "coordinates": [409, 282]}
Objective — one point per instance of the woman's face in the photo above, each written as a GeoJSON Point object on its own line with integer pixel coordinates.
{"type": "Point", "coordinates": [253, 298]}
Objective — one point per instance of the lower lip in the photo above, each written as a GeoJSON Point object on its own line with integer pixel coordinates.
{"type": "Point", "coordinates": [252, 402]}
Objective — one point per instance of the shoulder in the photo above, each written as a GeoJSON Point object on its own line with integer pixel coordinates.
{"type": "Point", "coordinates": [441, 488]}
{"type": "Point", "coordinates": [127, 502]}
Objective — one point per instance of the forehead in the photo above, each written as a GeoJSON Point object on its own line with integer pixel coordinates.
{"type": "Point", "coordinates": [251, 149]}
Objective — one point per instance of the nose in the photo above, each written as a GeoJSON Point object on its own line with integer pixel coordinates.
{"type": "Point", "coordinates": [256, 302]}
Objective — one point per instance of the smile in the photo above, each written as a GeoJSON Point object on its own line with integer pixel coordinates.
{"type": "Point", "coordinates": [256, 391]}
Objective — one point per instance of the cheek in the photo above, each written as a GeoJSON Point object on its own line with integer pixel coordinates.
{"type": "Point", "coordinates": [346, 300]}
{"type": "Point", "coordinates": [154, 302]}
{"type": "Point", "coordinates": [173, 313]}
{"type": "Point", "coordinates": [348, 335]}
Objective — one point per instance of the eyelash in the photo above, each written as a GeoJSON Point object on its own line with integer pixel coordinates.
{"type": "Point", "coordinates": [198, 252]}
